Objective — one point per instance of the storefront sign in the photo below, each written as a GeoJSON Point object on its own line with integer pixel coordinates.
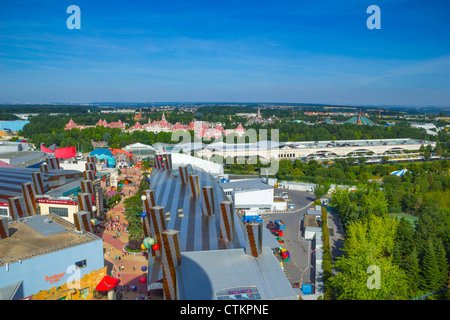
{"type": "Point", "coordinates": [51, 201]}
{"type": "Point", "coordinates": [54, 278]}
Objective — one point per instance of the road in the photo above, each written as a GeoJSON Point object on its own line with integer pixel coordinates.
{"type": "Point", "coordinates": [298, 269]}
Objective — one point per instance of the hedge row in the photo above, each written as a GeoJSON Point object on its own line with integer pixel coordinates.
{"type": "Point", "coordinates": [327, 264]}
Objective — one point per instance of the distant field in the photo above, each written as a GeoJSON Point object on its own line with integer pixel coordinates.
{"type": "Point", "coordinates": [412, 219]}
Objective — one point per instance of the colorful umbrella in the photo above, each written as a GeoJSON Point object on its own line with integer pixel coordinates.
{"type": "Point", "coordinates": [107, 283]}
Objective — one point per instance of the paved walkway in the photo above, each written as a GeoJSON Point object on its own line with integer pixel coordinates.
{"type": "Point", "coordinates": [112, 246]}
{"type": "Point", "coordinates": [336, 236]}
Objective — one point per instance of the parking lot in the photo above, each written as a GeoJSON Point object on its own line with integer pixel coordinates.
{"type": "Point", "coordinates": [298, 269]}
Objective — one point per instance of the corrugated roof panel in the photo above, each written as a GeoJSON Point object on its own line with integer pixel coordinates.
{"type": "Point", "coordinates": [198, 232]}
{"type": "Point", "coordinates": [203, 274]}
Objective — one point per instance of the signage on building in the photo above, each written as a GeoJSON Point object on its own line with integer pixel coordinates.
{"type": "Point", "coordinates": [3, 204]}
{"type": "Point", "coordinates": [53, 201]}
{"type": "Point", "coordinates": [55, 278]}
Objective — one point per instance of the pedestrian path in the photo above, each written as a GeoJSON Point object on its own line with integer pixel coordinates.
{"type": "Point", "coordinates": [127, 266]}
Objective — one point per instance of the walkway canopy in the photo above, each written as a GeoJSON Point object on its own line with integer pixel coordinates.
{"type": "Point", "coordinates": [107, 283]}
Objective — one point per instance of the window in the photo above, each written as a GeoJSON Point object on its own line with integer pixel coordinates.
{"type": "Point", "coordinates": [3, 212]}
{"type": "Point", "coordinates": [80, 264]}
{"type": "Point", "coordinates": [62, 212]}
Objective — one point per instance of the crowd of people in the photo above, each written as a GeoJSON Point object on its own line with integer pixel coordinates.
{"type": "Point", "coordinates": [122, 264]}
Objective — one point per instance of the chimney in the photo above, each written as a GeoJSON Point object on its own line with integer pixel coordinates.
{"type": "Point", "coordinates": [89, 175]}
{"type": "Point", "coordinates": [167, 160]}
{"type": "Point", "coordinates": [183, 174]}
{"type": "Point", "coordinates": [226, 220]}
{"type": "Point", "coordinates": [91, 159]}
{"type": "Point", "coordinates": [163, 161]}
{"type": "Point", "coordinates": [208, 204]}
{"type": "Point", "coordinates": [4, 230]}
{"type": "Point", "coordinates": [53, 163]}
{"type": "Point", "coordinates": [83, 221]}
{"type": "Point", "coordinates": [149, 200]}
{"type": "Point", "coordinates": [195, 186]}
{"type": "Point", "coordinates": [171, 259]}
{"type": "Point", "coordinates": [158, 222]}
{"type": "Point", "coordinates": [16, 208]}
{"type": "Point", "coordinates": [85, 203]}
{"type": "Point", "coordinates": [147, 203]}
{"type": "Point", "coordinates": [38, 182]}
{"type": "Point", "coordinates": [43, 167]}
{"type": "Point", "coordinates": [253, 239]}
{"type": "Point", "coordinates": [89, 166]}
{"type": "Point", "coordinates": [87, 186]}
{"type": "Point", "coordinates": [157, 161]}
{"type": "Point", "coordinates": [30, 198]}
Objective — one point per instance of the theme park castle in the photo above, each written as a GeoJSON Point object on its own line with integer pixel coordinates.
{"type": "Point", "coordinates": [201, 128]}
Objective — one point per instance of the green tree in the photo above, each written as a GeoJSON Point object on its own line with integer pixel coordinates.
{"type": "Point", "coordinates": [369, 244]}
{"type": "Point", "coordinates": [285, 167]}
{"type": "Point", "coordinates": [443, 266]}
{"type": "Point", "coordinates": [296, 172]}
{"type": "Point", "coordinates": [412, 268]}
{"type": "Point", "coordinates": [321, 188]}
{"type": "Point", "coordinates": [430, 269]}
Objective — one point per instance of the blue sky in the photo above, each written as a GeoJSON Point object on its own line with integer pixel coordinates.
{"type": "Point", "coordinates": [243, 51]}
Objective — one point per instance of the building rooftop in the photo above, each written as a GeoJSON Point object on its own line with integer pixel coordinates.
{"type": "Point", "coordinates": [232, 275]}
{"type": "Point", "coordinates": [68, 189]}
{"type": "Point", "coordinates": [11, 179]}
{"type": "Point", "coordinates": [246, 185]}
{"type": "Point", "coordinates": [36, 235]}
{"type": "Point", "coordinates": [198, 231]}
{"type": "Point", "coordinates": [310, 221]}
{"type": "Point", "coordinates": [212, 268]}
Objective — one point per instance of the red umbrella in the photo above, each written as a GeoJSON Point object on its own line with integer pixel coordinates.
{"type": "Point", "coordinates": [107, 283]}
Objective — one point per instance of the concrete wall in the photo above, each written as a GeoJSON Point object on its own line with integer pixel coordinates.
{"type": "Point", "coordinates": [71, 210]}
{"type": "Point", "coordinates": [261, 198]}
{"type": "Point", "coordinates": [279, 206]}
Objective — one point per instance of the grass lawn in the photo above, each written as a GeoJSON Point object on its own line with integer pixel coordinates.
{"type": "Point", "coordinates": [412, 219]}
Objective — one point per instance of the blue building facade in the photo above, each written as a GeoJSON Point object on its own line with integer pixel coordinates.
{"type": "Point", "coordinates": [46, 271]}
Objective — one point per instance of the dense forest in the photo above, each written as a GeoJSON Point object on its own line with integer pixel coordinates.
{"type": "Point", "coordinates": [412, 255]}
